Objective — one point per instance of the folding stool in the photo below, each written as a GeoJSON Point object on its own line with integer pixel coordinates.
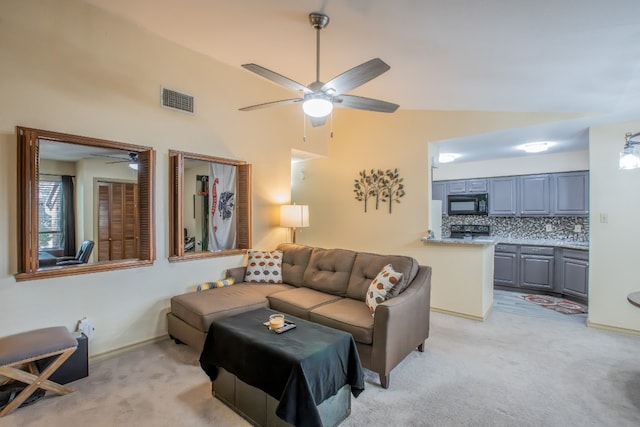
{"type": "Point", "coordinates": [23, 350]}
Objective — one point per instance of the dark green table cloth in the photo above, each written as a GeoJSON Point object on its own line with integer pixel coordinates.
{"type": "Point", "coordinates": [300, 368]}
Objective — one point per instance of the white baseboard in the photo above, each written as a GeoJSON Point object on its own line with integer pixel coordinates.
{"type": "Point", "coordinates": [118, 351]}
{"type": "Point", "coordinates": [612, 328]}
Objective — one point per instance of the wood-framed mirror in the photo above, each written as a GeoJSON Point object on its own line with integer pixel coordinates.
{"type": "Point", "coordinates": [210, 206]}
{"type": "Point", "coordinates": [82, 205]}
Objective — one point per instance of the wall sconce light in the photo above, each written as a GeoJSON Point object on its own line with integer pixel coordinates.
{"type": "Point", "coordinates": [294, 216]}
{"type": "Point", "coordinates": [630, 154]}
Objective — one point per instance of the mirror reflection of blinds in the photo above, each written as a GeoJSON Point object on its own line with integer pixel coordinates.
{"type": "Point", "coordinates": [50, 210]}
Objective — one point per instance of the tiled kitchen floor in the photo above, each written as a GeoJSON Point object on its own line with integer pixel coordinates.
{"type": "Point", "coordinates": [512, 302]}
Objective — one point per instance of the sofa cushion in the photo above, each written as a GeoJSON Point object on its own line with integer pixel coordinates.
{"type": "Point", "coordinates": [199, 309]}
{"type": "Point", "coordinates": [217, 284]}
{"type": "Point", "coordinates": [347, 315]}
{"type": "Point", "coordinates": [298, 302]}
{"type": "Point", "coordinates": [295, 259]}
{"type": "Point", "coordinates": [381, 287]}
{"type": "Point", "coordinates": [329, 270]}
{"type": "Point", "coordinates": [264, 267]}
{"type": "Point", "coordinates": [367, 266]}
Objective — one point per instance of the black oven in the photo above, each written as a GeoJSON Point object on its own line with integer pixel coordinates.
{"type": "Point", "coordinates": [468, 204]}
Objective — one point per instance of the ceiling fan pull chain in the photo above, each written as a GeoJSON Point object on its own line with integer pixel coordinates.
{"type": "Point", "coordinates": [304, 128]}
{"type": "Point", "coordinates": [331, 135]}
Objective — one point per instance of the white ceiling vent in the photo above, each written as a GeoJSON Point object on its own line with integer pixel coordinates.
{"type": "Point", "coordinates": [177, 101]}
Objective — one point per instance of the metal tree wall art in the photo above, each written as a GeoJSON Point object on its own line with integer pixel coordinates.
{"type": "Point", "coordinates": [385, 186]}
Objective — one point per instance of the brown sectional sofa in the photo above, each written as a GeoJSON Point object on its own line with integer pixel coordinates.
{"type": "Point", "coordinates": [326, 286]}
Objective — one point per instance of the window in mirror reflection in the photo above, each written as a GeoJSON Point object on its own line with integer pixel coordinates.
{"type": "Point", "coordinates": [93, 212]}
{"type": "Point", "coordinates": [210, 206]}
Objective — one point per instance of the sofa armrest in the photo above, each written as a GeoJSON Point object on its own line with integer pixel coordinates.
{"type": "Point", "coordinates": [402, 323]}
{"type": "Point", "coordinates": [236, 273]}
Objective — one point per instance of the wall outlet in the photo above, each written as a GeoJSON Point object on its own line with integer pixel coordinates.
{"type": "Point", "coordinates": [604, 218]}
{"type": "Point", "coordinates": [577, 228]}
{"type": "Point", "coordinates": [86, 327]}
{"type": "Point", "coordinates": [549, 228]}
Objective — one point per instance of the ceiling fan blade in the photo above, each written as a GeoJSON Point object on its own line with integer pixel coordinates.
{"type": "Point", "coordinates": [356, 76]}
{"type": "Point", "coordinates": [269, 104]}
{"type": "Point", "coordinates": [361, 103]}
{"type": "Point", "coordinates": [276, 78]}
{"type": "Point", "coordinates": [318, 121]}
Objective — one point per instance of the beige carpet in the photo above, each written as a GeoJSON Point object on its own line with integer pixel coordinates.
{"type": "Point", "coordinates": [516, 369]}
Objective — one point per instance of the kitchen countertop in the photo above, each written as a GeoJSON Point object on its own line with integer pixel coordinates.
{"type": "Point", "coordinates": [494, 240]}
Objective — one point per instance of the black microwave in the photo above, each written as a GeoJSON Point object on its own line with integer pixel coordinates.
{"type": "Point", "coordinates": [468, 204]}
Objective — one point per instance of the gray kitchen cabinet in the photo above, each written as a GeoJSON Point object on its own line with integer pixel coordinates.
{"type": "Point", "coordinates": [439, 192]}
{"type": "Point", "coordinates": [537, 268]}
{"type": "Point", "coordinates": [573, 273]}
{"type": "Point", "coordinates": [476, 186]}
{"type": "Point", "coordinates": [467, 186]}
{"type": "Point", "coordinates": [534, 197]}
{"type": "Point", "coordinates": [557, 270]}
{"type": "Point", "coordinates": [457, 187]}
{"type": "Point", "coordinates": [570, 193]}
{"type": "Point", "coordinates": [505, 266]}
{"type": "Point", "coordinates": [502, 196]}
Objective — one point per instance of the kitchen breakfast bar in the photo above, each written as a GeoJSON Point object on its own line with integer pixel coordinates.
{"type": "Point", "coordinates": [462, 278]}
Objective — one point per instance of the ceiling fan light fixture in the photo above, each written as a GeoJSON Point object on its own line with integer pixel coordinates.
{"type": "Point", "coordinates": [317, 107]}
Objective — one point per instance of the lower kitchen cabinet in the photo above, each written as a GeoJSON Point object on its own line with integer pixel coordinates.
{"type": "Point", "coordinates": [505, 266]}
{"type": "Point", "coordinates": [537, 268]}
{"type": "Point", "coordinates": [542, 268]}
{"type": "Point", "coordinates": [574, 273]}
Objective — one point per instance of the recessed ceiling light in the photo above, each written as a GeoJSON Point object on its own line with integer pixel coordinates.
{"type": "Point", "coordinates": [536, 147]}
{"type": "Point", "coordinates": [447, 157]}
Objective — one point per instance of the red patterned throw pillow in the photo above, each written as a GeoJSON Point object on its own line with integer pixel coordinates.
{"type": "Point", "coordinates": [264, 267]}
{"type": "Point", "coordinates": [380, 287]}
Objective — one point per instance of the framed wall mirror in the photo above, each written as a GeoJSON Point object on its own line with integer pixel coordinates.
{"type": "Point", "coordinates": [210, 206]}
{"type": "Point", "coordinates": [84, 204]}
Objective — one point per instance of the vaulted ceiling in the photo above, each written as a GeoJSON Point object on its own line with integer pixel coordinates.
{"type": "Point", "coordinates": [569, 56]}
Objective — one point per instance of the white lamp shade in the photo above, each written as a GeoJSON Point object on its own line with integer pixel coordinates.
{"type": "Point", "coordinates": [317, 107]}
{"type": "Point", "coordinates": [294, 216]}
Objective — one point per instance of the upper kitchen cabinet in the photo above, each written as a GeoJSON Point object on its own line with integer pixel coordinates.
{"type": "Point", "coordinates": [534, 195]}
{"type": "Point", "coordinates": [570, 193]}
{"type": "Point", "coordinates": [467, 186]}
{"type": "Point", "coordinates": [439, 192]}
{"type": "Point", "coordinates": [502, 196]}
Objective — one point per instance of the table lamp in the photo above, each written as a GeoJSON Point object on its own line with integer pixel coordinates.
{"type": "Point", "coordinates": [294, 216]}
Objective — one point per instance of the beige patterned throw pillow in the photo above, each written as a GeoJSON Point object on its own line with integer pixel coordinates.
{"type": "Point", "coordinates": [264, 267]}
{"type": "Point", "coordinates": [381, 286]}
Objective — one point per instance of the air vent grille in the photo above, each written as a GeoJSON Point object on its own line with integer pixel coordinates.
{"type": "Point", "coordinates": [177, 101]}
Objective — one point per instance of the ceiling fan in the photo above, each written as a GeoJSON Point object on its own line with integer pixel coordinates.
{"type": "Point", "coordinates": [319, 98]}
{"type": "Point", "coordinates": [132, 160]}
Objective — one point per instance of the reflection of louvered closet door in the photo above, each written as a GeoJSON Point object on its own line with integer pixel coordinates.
{"type": "Point", "coordinates": [117, 220]}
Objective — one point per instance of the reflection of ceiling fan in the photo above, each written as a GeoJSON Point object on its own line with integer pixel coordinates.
{"type": "Point", "coordinates": [319, 98]}
{"type": "Point", "coordinates": [132, 160]}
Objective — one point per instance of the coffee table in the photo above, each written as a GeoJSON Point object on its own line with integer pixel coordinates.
{"type": "Point", "coordinates": [307, 372]}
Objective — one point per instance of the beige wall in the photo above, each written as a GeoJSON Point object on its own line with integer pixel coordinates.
{"type": "Point", "coordinates": [71, 68]}
{"type": "Point", "coordinates": [613, 267]}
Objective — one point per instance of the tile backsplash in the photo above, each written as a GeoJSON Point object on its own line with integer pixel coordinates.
{"type": "Point", "coordinates": [561, 227]}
